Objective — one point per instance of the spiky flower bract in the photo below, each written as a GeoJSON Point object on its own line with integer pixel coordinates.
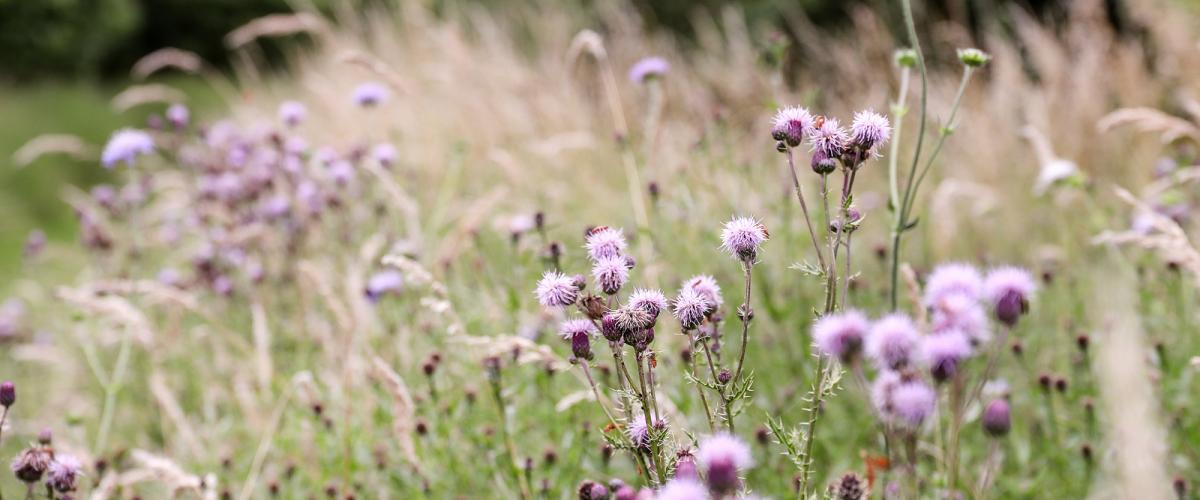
{"type": "Point", "coordinates": [790, 124]}
{"type": "Point", "coordinates": [611, 273]}
{"type": "Point", "coordinates": [840, 336]}
{"type": "Point", "coordinates": [604, 243]}
{"type": "Point", "coordinates": [556, 289]}
{"type": "Point", "coordinates": [125, 146]}
{"type": "Point", "coordinates": [742, 237]}
{"type": "Point", "coordinates": [892, 341]}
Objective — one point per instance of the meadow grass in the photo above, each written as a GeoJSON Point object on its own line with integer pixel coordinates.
{"type": "Point", "coordinates": [258, 364]}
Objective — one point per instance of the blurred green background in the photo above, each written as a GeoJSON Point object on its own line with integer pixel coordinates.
{"type": "Point", "coordinates": [64, 60]}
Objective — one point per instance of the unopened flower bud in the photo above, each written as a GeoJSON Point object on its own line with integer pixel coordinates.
{"type": "Point", "coordinates": [997, 418]}
{"type": "Point", "coordinates": [906, 58]}
{"type": "Point", "coordinates": [8, 394]}
{"type": "Point", "coordinates": [974, 58]}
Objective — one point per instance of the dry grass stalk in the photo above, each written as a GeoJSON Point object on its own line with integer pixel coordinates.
{"type": "Point", "coordinates": [151, 93]}
{"type": "Point", "coordinates": [167, 57]}
{"type": "Point", "coordinates": [45, 144]}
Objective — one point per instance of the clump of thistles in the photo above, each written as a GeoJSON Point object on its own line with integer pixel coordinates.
{"type": "Point", "coordinates": [742, 237]}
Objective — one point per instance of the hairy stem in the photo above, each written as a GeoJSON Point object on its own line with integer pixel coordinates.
{"type": "Point", "coordinates": [804, 208]}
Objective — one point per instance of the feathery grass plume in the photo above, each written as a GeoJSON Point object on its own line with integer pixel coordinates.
{"type": "Point", "coordinates": [150, 93]}
{"type": "Point", "coordinates": [45, 144]}
{"type": "Point", "coordinates": [167, 57]}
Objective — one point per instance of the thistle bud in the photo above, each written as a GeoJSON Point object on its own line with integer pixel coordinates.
{"type": "Point", "coordinates": [906, 58]}
{"type": "Point", "coordinates": [997, 418]}
{"type": "Point", "coordinates": [8, 394]}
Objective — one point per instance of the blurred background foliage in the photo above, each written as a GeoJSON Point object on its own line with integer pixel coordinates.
{"type": "Point", "coordinates": [65, 59]}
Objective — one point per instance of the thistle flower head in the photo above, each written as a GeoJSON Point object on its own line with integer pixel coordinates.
{"type": "Point", "coordinates": [723, 457]}
{"type": "Point", "coordinates": [869, 131]}
{"type": "Point", "coordinates": [631, 319]}
{"type": "Point", "coordinates": [569, 328]}
{"type": "Point", "coordinates": [30, 464]}
{"type": "Point", "coordinates": [958, 312]}
{"type": "Point", "coordinates": [952, 278]}
{"type": "Point", "coordinates": [292, 113]}
{"type": "Point", "coordinates": [125, 146]}
{"type": "Point", "coordinates": [742, 237]}
{"type": "Point", "coordinates": [178, 115]}
{"type": "Point", "coordinates": [913, 402]}
{"type": "Point", "coordinates": [605, 242]}
{"type": "Point", "coordinates": [881, 391]}
{"type": "Point", "coordinates": [943, 352]}
{"type": "Point", "coordinates": [849, 487]}
{"type": "Point", "coordinates": [638, 431]}
{"type": "Point", "coordinates": [556, 289]}
{"type": "Point", "coordinates": [651, 301]}
{"type": "Point", "coordinates": [828, 138]}
{"type": "Point", "coordinates": [62, 473]}
{"type": "Point", "coordinates": [790, 124]}
{"type": "Point", "coordinates": [8, 393]}
{"type": "Point", "coordinates": [611, 273]}
{"type": "Point", "coordinates": [691, 308]}
{"type": "Point", "coordinates": [683, 489]}
{"type": "Point", "coordinates": [841, 335]}
{"type": "Point", "coordinates": [385, 153]}
{"type": "Point", "coordinates": [892, 341]}
{"type": "Point", "coordinates": [997, 418]}
{"type": "Point", "coordinates": [1008, 291]}
{"type": "Point", "coordinates": [707, 287]}
{"type": "Point", "coordinates": [648, 68]}
{"type": "Point", "coordinates": [370, 94]}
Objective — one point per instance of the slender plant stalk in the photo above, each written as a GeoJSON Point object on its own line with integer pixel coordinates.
{"type": "Point", "coordinates": [656, 457]}
{"type": "Point", "coordinates": [746, 315]}
{"type": "Point", "coordinates": [509, 445]}
{"type": "Point", "coordinates": [587, 372]}
{"type": "Point", "coordinates": [804, 208]}
{"type": "Point", "coordinates": [901, 221]}
{"type": "Point", "coordinates": [712, 426]}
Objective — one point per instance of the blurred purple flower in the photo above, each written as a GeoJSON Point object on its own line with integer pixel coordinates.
{"type": "Point", "coordinates": [648, 68]}
{"type": "Point", "coordinates": [125, 146]}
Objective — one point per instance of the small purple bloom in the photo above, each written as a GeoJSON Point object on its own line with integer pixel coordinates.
{"type": "Point", "coordinates": [997, 418]}
{"type": "Point", "coordinates": [385, 154]}
{"type": "Point", "coordinates": [605, 242]}
{"type": "Point", "coordinates": [840, 336]}
{"type": "Point", "coordinates": [723, 457]}
{"type": "Point", "coordinates": [707, 287]}
{"type": "Point", "coordinates": [952, 278]}
{"type": "Point", "coordinates": [292, 113]}
{"type": "Point", "coordinates": [638, 432]}
{"type": "Point", "coordinates": [62, 473]}
{"type": "Point", "coordinates": [691, 308]}
{"type": "Point", "coordinates": [683, 489]}
{"type": "Point", "coordinates": [913, 402]}
{"type": "Point", "coordinates": [650, 301]}
{"type": "Point", "coordinates": [178, 115]}
{"type": "Point", "coordinates": [892, 341]}
{"type": "Point", "coordinates": [943, 352]}
{"type": "Point", "coordinates": [791, 124]}
{"type": "Point", "coordinates": [125, 146]}
{"type": "Point", "coordinates": [961, 313]}
{"type": "Point", "coordinates": [1008, 290]}
{"type": "Point", "coordinates": [828, 138]}
{"type": "Point", "coordinates": [742, 237]}
{"type": "Point", "coordinates": [869, 131]}
{"type": "Point", "coordinates": [556, 289]}
{"type": "Point", "coordinates": [370, 94]}
{"type": "Point", "coordinates": [648, 68]}
{"type": "Point", "coordinates": [611, 273]}
{"type": "Point", "coordinates": [572, 327]}
{"type": "Point", "coordinates": [382, 283]}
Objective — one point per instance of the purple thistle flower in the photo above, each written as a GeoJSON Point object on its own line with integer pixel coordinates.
{"type": "Point", "coordinates": [943, 352]}
{"type": "Point", "coordinates": [892, 341]}
{"type": "Point", "coordinates": [385, 154]}
{"type": "Point", "coordinates": [1008, 290]}
{"type": "Point", "coordinates": [840, 335]}
{"type": "Point", "coordinates": [691, 308]}
{"type": "Point", "coordinates": [881, 391]}
{"type": "Point", "coordinates": [790, 124]}
{"type": "Point", "coordinates": [960, 313]}
{"type": "Point", "coordinates": [723, 457]}
{"type": "Point", "coordinates": [609, 327]}
{"type": "Point", "coordinates": [342, 172]}
{"type": "Point", "coordinates": [869, 131]}
{"type": "Point", "coordinates": [683, 489]}
{"type": "Point", "coordinates": [648, 68]}
{"type": "Point", "coordinates": [952, 278]}
{"type": "Point", "coordinates": [605, 242]}
{"type": "Point", "coordinates": [828, 138]}
{"type": "Point", "coordinates": [292, 113]}
{"type": "Point", "coordinates": [913, 402]}
{"type": "Point", "coordinates": [632, 320]}
{"type": "Point", "coordinates": [62, 473]}
{"type": "Point", "coordinates": [556, 289]}
{"type": "Point", "coordinates": [997, 418]}
{"type": "Point", "coordinates": [651, 301]}
{"type": "Point", "coordinates": [571, 327]}
{"type": "Point", "coordinates": [742, 237]}
{"type": "Point", "coordinates": [126, 145]}
{"type": "Point", "coordinates": [30, 464]}
{"type": "Point", "coordinates": [275, 207]}
{"type": "Point", "coordinates": [382, 283]}
{"type": "Point", "coordinates": [178, 115]}
{"type": "Point", "coordinates": [707, 287]}
{"type": "Point", "coordinates": [611, 273]}
{"type": "Point", "coordinates": [638, 432]}
{"type": "Point", "coordinates": [370, 94]}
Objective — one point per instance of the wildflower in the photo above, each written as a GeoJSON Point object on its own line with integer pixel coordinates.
{"type": "Point", "coordinates": [961, 313]}
{"type": "Point", "coordinates": [611, 273]}
{"type": "Point", "coordinates": [638, 432]}
{"type": "Point", "coordinates": [648, 69]}
{"type": "Point", "coordinates": [291, 113]}
{"type": "Point", "coordinates": [342, 172]}
{"type": "Point", "coordinates": [906, 58]}
{"type": "Point", "coordinates": [650, 301]}
{"type": "Point", "coordinates": [624, 492]}
{"type": "Point", "coordinates": [178, 115]}
{"type": "Point", "coordinates": [8, 394]}
{"type": "Point", "coordinates": [849, 487]}
{"type": "Point", "coordinates": [881, 391]}
{"type": "Point", "coordinates": [691, 308]}
{"type": "Point", "coordinates": [383, 283]}
{"type": "Point", "coordinates": [722, 457]}
{"type": "Point", "coordinates": [556, 289]}
{"type": "Point", "coordinates": [822, 163]}
{"type": "Point", "coordinates": [45, 436]}
{"type": "Point", "coordinates": [370, 94]}
{"type": "Point", "coordinates": [742, 237]}
{"type": "Point", "coordinates": [973, 57]}
{"type": "Point", "coordinates": [579, 331]}
{"type": "Point", "coordinates": [913, 402]}
{"type": "Point", "coordinates": [943, 352]}
{"type": "Point", "coordinates": [685, 466]}
{"type": "Point", "coordinates": [591, 490]}
{"type": "Point", "coordinates": [828, 138]}
{"type": "Point", "coordinates": [840, 335]}
{"type": "Point", "coordinates": [952, 278]}
{"type": "Point", "coordinates": [126, 145]}
{"type": "Point", "coordinates": [790, 124]}
{"type": "Point", "coordinates": [997, 418]}
{"type": "Point", "coordinates": [605, 242]}
{"type": "Point", "coordinates": [892, 341]}
{"type": "Point", "coordinates": [30, 464]}
{"type": "Point", "coordinates": [707, 287]}
{"type": "Point", "coordinates": [869, 132]}
{"type": "Point", "coordinates": [683, 489]}
{"type": "Point", "coordinates": [1008, 290]}
{"type": "Point", "coordinates": [385, 154]}
{"type": "Point", "coordinates": [63, 472]}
